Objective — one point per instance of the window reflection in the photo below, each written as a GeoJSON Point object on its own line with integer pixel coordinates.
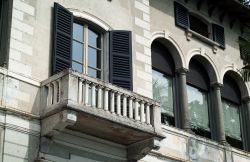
{"type": "Point", "coordinates": [163, 92]}
{"type": "Point", "coordinates": [93, 39]}
{"type": "Point", "coordinates": [198, 108]}
{"type": "Point", "coordinates": [78, 32]}
{"type": "Point", "coordinates": [232, 119]}
{"type": "Point", "coordinates": [77, 51]}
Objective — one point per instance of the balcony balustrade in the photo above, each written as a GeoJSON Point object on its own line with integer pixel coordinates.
{"type": "Point", "coordinates": [76, 101]}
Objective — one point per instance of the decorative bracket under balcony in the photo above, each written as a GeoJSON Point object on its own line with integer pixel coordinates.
{"type": "Point", "coordinates": [137, 151]}
{"type": "Point", "coordinates": [54, 124]}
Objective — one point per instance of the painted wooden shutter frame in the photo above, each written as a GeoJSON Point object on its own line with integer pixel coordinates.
{"type": "Point", "coordinates": [216, 35]}
{"type": "Point", "coordinates": [179, 21]}
{"type": "Point", "coordinates": [62, 49]}
{"type": "Point", "coordinates": [121, 58]}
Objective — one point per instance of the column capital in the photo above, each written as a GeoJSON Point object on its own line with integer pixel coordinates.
{"type": "Point", "coordinates": [216, 85]}
{"type": "Point", "coordinates": [181, 70]}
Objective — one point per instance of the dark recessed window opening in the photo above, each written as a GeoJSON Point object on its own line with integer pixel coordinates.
{"type": "Point", "coordinates": [163, 74]}
{"type": "Point", "coordinates": [198, 26]}
{"type": "Point", "coordinates": [231, 101]}
{"type": "Point", "coordinates": [197, 91]}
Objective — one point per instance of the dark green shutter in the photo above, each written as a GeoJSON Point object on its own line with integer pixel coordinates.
{"type": "Point", "coordinates": [181, 16]}
{"type": "Point", "coordinates": [243, 48]}
{"type": "Point", "coordinates": [121, 58]}
{"type": "Point", "coordinates": [218, 35]}
{"type": "Point", "coordinates": [63, 26]}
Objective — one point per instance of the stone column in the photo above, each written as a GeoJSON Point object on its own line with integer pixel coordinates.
{"type": "Point", "coordinates": [247, 121]}
{"type": "Point", "coordinates": [183, 100]}
{"type": "Point", "coordinates": [218, 114]}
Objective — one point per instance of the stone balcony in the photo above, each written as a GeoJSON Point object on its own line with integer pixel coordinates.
{"type": "Point", "coordinates": [70, 100]}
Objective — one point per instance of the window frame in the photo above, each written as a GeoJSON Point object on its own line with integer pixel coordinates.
{"type": "Point", "coordinates": [87, 25]}
{"type": "Point", "coordinates": [201, 71]}
{"type": "Point", "coordinates": [170, 73]}
{"type": "Point", "coordinates": [203, 20]}
{"type": "Point", "coordinates": [169, 77]}
{"type": "Point", "coordinates": [211, 39]}
{"type": "Point", "coordinates": [239, 107]}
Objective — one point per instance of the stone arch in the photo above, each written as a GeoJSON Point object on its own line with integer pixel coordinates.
{"type": "Point", "coordinates": [208, 63]}
{"type": "Point", "coordinates": [172, 46]}
{"type": "Point", "coordinates": [92, 19]}
{"type": "Point", "coordinates": [232, 72]}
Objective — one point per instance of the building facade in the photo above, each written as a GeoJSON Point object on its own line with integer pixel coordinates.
{"type": "Point", "coordinates": [123, 80]}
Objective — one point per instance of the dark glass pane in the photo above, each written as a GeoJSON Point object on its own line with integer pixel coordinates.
{"type": "Point", "coordinates": [77, 67]}
{"type": "Point", "coordinates": [198, 26]}
{"type": "Point", "coordinates": [77, 53]}
{"type": "Point", "coordinates": [78, 32]}
{"type": "Point", "coordinates": [198, 108]}
{"type": "Point", "coordinates": [94, 73]}
{"type": "Point", "coordinates": [163, 92]}
{"type": "Point", "coordinates": [94, 39]}
{"type": "Point", "coordinates": [94, 58]}
{"type": "Point", "coordinates": [232, 120]}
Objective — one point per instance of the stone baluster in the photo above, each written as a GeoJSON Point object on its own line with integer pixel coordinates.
{"type": "Point", "coordinates": [147, 114]}
{"type": "Point", "coordinates": [80, 90]}
{"type": "Point", "coordinates": [136, 109]}
{"type": "Point", "coordinates": [106, 99]}
{"type": "Point", "coordinates": [124, 106]}
{"type": "Point", "coordinates": [99, 95]}
{"type": "Point", "coordinates": [59, 87]}
{"type": "Point", "coordinates": [49, 99]}
{"type": "Point", "coordinates": [86, 94]}
{"type": "Point", "coordinates": [93, 95]}
{"type": "Point", "coordinates": [112, 101]}
{"type": "Point", "coordinates": [118, 103]}
{"type": "Point", "coordinates": [55, 90]}
{"type": "Point", "coordinates": [142, 112]}
{"type": "Point", "coordinates": [130, 104]}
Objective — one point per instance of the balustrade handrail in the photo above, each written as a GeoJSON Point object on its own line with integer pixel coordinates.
{"type": "Point", "coordinates": [100, 83]}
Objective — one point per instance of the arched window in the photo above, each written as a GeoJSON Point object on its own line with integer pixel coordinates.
{"type": "Point", "coordinates": [163, 73]}
{"type": "Point", "coordinates": [197, 91]}
{"type": "Point", "coordinates": [231, 101]}
{"type": "Point", "coordinates": [87, 49]}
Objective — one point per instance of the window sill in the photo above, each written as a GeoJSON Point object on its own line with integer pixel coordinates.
{"type": "Point", "coordinates": [191, 33]}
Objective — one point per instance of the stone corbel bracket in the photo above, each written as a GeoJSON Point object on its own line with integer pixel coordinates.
{"type": "Point", "coordinates": [56, 123]}
{"type": "Point", "coordinates": [137, 151]}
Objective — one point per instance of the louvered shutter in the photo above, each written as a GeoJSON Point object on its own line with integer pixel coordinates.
{"type": "Point", "coordinates": [121, 58]}
{"type": "Point", "coordinates": [218, 35]}
{"type": "Point", "coordinates": [63, 23]}
{"type": "Point", "coordinates": [243, 48]}
{"type": "Point", "coordinates": [181, 16]}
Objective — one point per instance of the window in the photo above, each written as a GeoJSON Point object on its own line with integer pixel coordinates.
{"type": "Point", "coordinates": [244, 49]}
{"type": "Point", "coordinates": [163, 81]}
{"type": "Point", "coordinates": [87, 50]}
{"type": "Point", "coordinates": [80, 46]}
{"type": "Point", "coordinates": [198, 93]}
{"type": "Point", "coordinates": [231, 100]}
{"type": "Point", "coordinates": [163, 93]}
{"type": "Point", "coordinates": [198, 26]}
{"type": "Point", "coordinates": [189, 21]}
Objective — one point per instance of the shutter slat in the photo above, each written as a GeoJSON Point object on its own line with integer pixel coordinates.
{"type": "Point", "coordinates": [121, 58]}
{"type": "Point", "coordinates": [243, 48]}
{"type": "Point", "coordinates": [218, 35]}
{"type": "Point", "coordinates": [181, 16]}
{"type": "Point", "coordinates": [63, 26]}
